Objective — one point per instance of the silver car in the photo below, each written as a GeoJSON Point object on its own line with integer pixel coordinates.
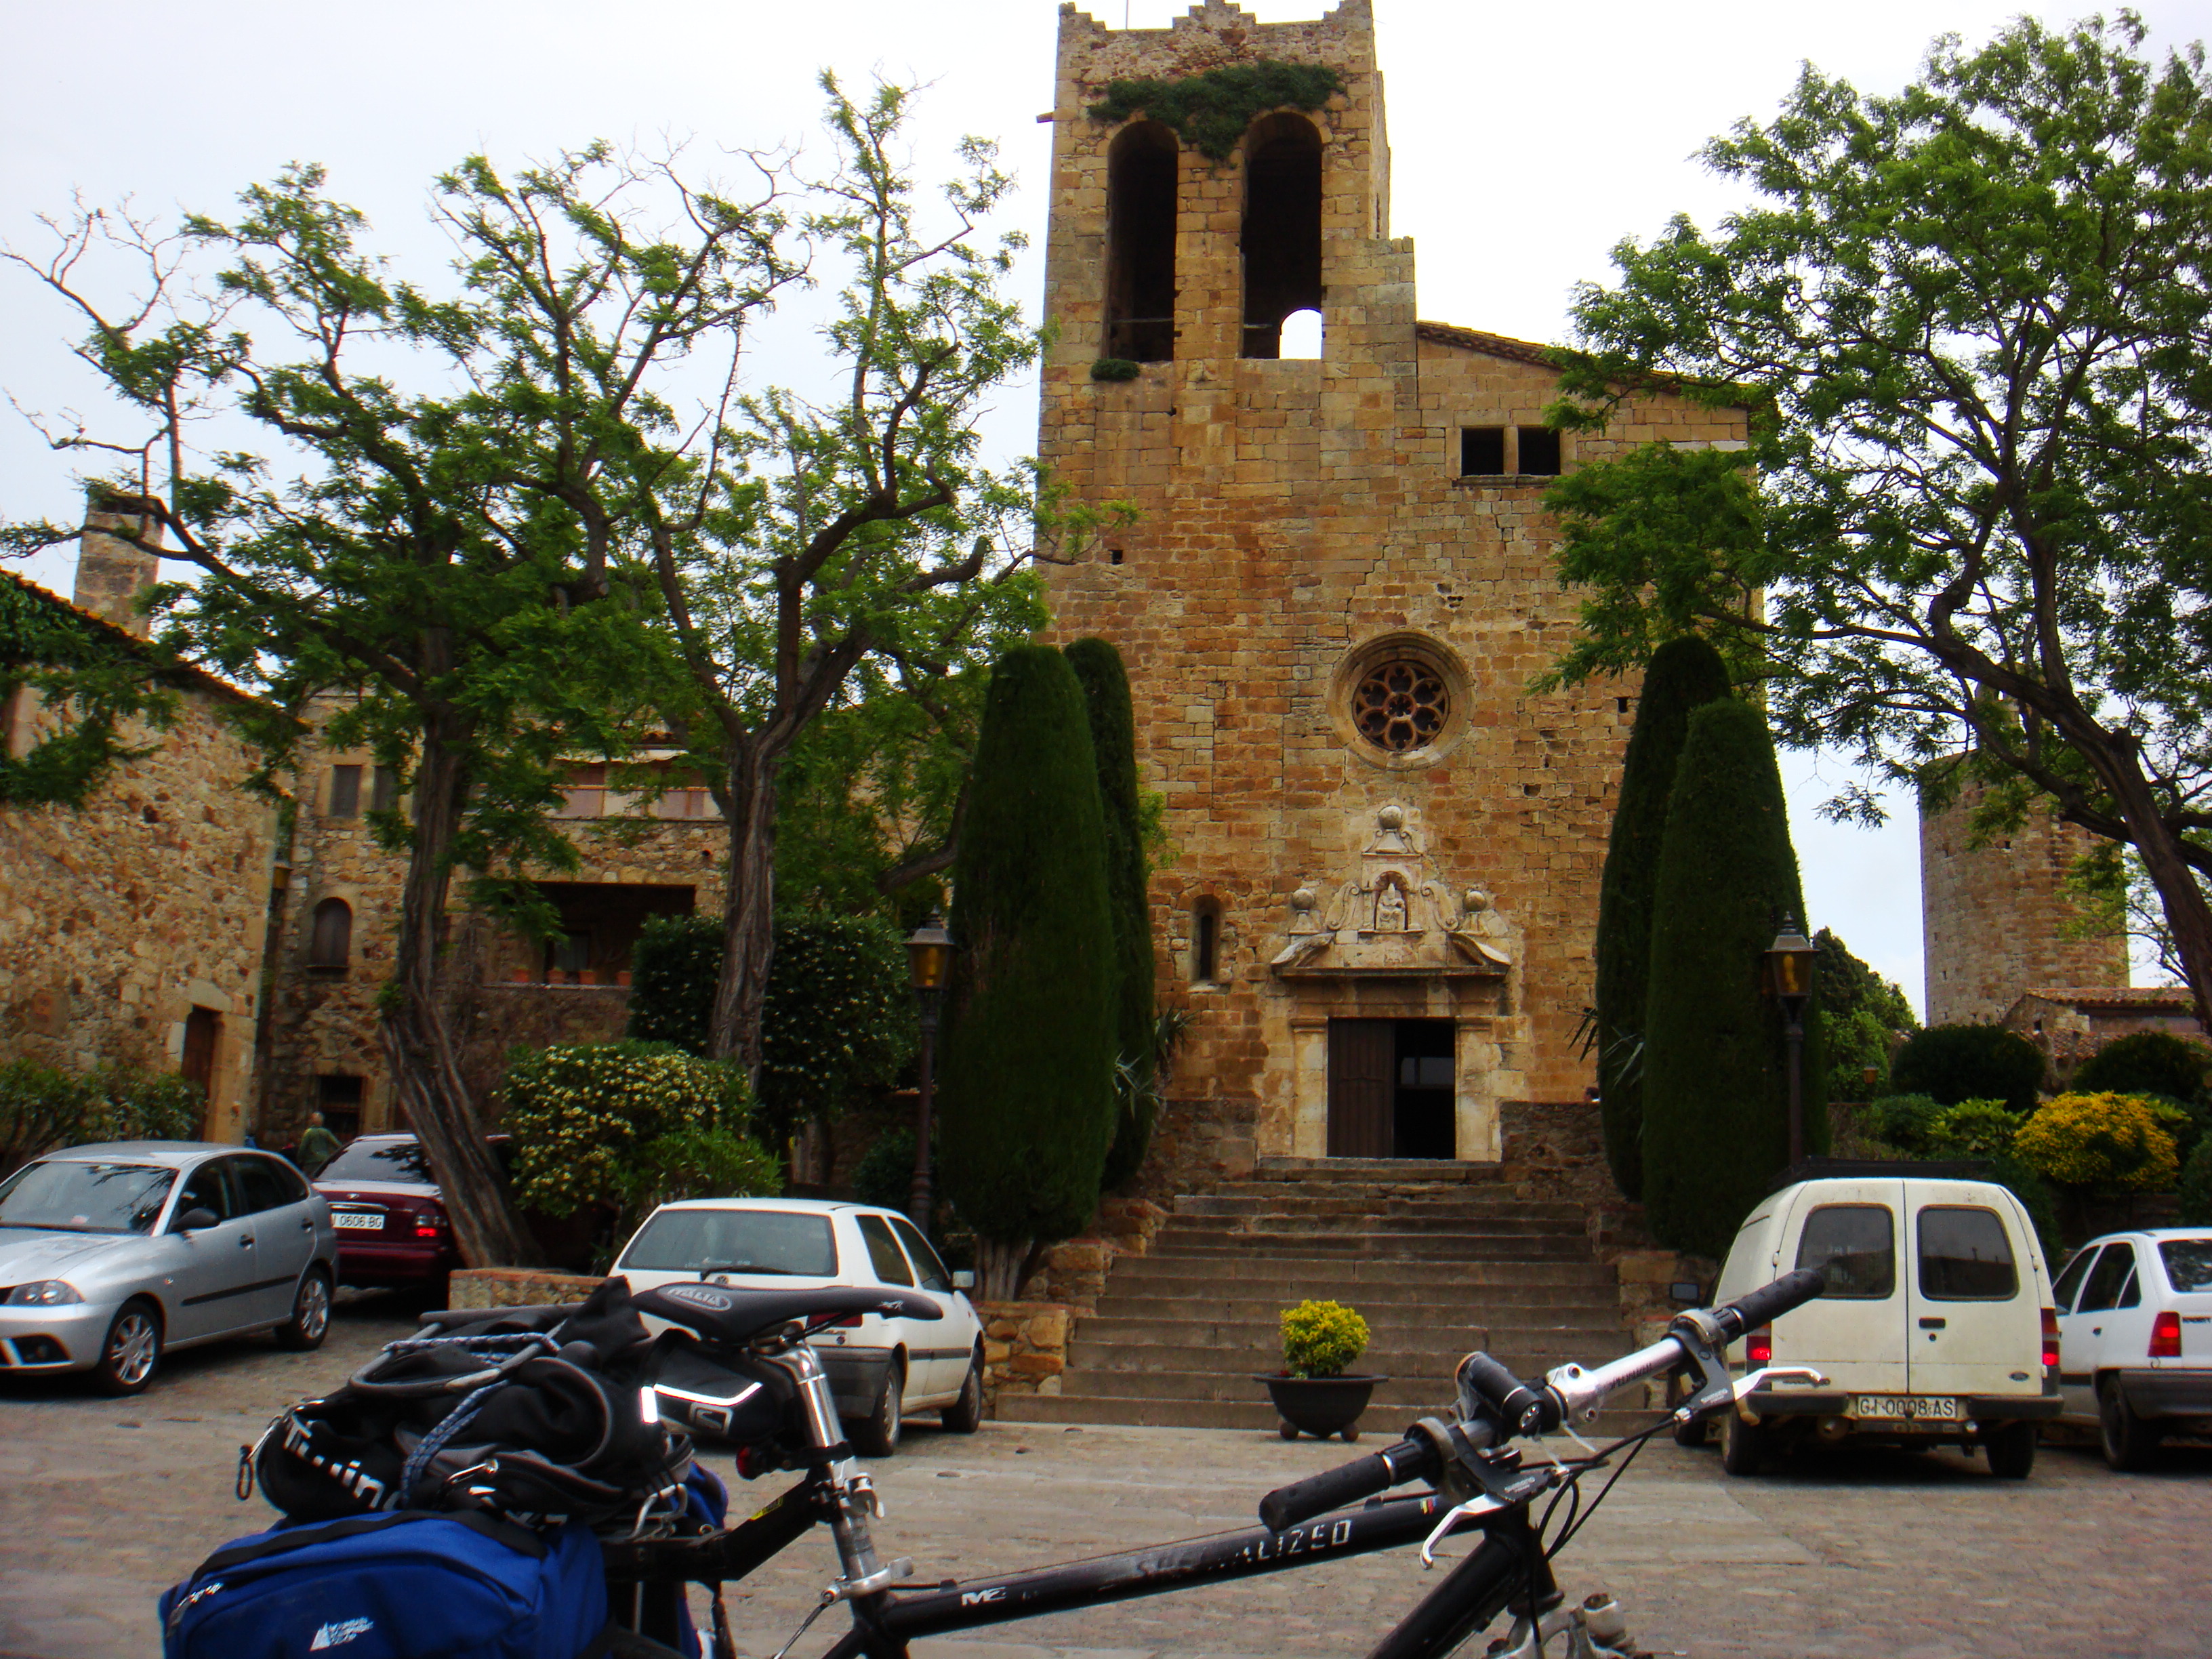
{"type": "Point", "coordinates": [110, 1255]}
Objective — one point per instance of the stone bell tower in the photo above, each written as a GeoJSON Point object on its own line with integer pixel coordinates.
{"type": "Point", "coordinates": [1332, 599]}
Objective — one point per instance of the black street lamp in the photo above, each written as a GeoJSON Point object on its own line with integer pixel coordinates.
{"type": "Point", "coordinates": [1789, 976]}
{"type": "Point", "coordinates": [929, 963]}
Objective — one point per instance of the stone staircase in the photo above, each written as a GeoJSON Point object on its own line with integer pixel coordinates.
{"type": "Point", "coordinates": [1436, 1258]}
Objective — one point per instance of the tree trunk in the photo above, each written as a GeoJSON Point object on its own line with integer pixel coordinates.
{"type": "Point", "coordinates": [748, 912]}
{"type": "Point", "coordinates": [1001, 1267]}
{"type": "Point", "coordinates": [2187, 913]}
{"type": "Point", "coordinates": [419, 1046]}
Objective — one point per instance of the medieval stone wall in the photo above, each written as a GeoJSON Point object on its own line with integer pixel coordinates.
{"type": "Point", "coordinates": [1298, 521]}
{"type": "Point", "coordinates": [1995, 918]}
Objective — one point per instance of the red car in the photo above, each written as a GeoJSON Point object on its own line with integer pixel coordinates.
{"type": "Point", "coordinates": [389, 1215]}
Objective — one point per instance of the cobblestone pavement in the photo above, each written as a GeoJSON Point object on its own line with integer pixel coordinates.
{"type": "Point", "coordinates": [1882, 1554]}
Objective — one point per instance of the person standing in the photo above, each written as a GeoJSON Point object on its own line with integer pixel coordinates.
{"type": "Point", "coordinates": [318, 1146]}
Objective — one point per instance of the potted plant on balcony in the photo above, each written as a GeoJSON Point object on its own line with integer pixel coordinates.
{"type": "Point", "coordinates": [1313, 1392]}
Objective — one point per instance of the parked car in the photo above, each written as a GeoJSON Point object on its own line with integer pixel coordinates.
{"type": "Point", "coordinates": [112, 1256]}
{"type": "Point", "coordinates": [2135, 1339]}
{"type": "Point", "coordinates": [1936, 1327]}
{"type": "Point", "coordinates": [391, 1217]}
{"type": "Point", "coordinates": [879, 1369]}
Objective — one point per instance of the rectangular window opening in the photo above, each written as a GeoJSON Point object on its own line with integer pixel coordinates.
{"type": "Point", "coordinates": [338, 1099]}
{"type": "Point", "coordinates": [1481, 452]}
{"type": "Point", "coordinates": [383, 789]}
{"type": "Point", "coordinates": [345, 792]}
{"type": "Point", "coordinates": [1539, 452]}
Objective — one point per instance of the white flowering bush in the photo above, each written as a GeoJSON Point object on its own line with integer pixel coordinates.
{"type": "Point", "coordinates": [630, 1126]}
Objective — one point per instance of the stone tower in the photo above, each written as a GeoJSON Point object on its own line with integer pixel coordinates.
{"type": "Point", "coordinates": [1340, 584]}
{"type": "Point", "coordinates": [1995, 919]}
{"type": "Point", "coordinates": [111, 573]}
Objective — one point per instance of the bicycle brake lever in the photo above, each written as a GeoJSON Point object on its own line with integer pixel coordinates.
{"type": "Point", "coordinates": [1453, 1517]}
{"type": "Point", "coordinates": [1759, 1379]}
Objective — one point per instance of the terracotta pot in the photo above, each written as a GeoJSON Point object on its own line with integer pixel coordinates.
{"type": "Point", "coordinates": [521, 977]}
{"type": "Point", "coordinates": [1320, 1405]}
{"type": "Point", "coordinates": [587, 976]}
{"type": "Point", "coordinates": [557, 976]}
{"type": "Point", "coordinates": [621, 977]}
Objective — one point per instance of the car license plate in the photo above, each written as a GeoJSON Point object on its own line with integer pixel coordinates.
{"type": "Point", "coordinates": [356, 1223]}
{"type": "Point", "coordinates": [1906, 1405]}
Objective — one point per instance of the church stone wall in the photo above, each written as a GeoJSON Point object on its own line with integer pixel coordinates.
{"type": "Point", "coordinates": [1995, 921]}
{"type": "Point", "coordinates": [1295, 517]}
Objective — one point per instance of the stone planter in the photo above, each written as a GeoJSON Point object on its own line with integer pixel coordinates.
{"type": "Point", "coordinates": [1320, 1405]}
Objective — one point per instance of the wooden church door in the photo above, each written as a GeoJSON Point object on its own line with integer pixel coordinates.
{"type": "Point", "coordinates": [1362, 1053]}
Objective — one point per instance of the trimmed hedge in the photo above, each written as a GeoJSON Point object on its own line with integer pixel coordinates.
{"type": "Point", "coordinates": [1954, 1063]}
{"type": "Point", "coordinates": [1684, 674]}
{"type": "Point", "coordinates": [1715, 1111]}
{"type": "Point", "coordinates": [2144, 1063]}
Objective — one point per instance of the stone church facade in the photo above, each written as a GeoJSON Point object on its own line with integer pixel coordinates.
{"type": "Point", "coordinates": [1337, 586]}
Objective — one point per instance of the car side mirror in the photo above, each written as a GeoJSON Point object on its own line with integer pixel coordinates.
{"type": "Point", "coordinates": [963, 1280]}
{"type": "Point", "coordinates": [196, 1221]}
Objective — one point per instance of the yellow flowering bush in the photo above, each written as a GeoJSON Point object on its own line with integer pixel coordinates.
{"type": "Point", "coordinates": [630, 1125]}
{"type": "Point", "coordinates": [2100, 1140]}
{"type": "Point", "coordinates": [1319, 1338]}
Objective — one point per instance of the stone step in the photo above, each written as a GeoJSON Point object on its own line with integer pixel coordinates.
{"type": "Point", "coordinates": [1596, 1329]}
{"type": "Point", "coordinates": [1432, 1171]}
{"type": "Point", "coordinates": [1542, 1349]}
{"type": "Point", "coordinates": [1341, 1277]}
{"type": "Point", "coordinates": [1415, 1392]}
{"type": "Point", "coordinates": [1456, 1246]}
{"type": "Point", "coordinates": [1380, 1423]}
{"type": "Point", "coordinates": [1285, 1199]}
{"type": "Point", "coordinates": [1248, 1306]}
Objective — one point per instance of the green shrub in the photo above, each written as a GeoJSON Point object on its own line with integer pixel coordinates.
{"type": "Point", "coordinates": [1211, 111]}
{"type": "Point", "coordinates": [673, 969]}
{"type": "Point", "coordinates": [42, 1106]}
{"type": "Point", "coordinates": [838, 1020]}
{"type": "Point", "coordinates": [1969, 1062]}
{"type": "Point", "coordinates": [2110, 1142]}
{"type": "Point", "coordinates": [2144, 1063]}
{"type": "Point", "coordinates": [1115, 369]}
{"type": "Point", "coordinates": [1716, 1117]}
{"type": "Point", "coordinates": [1319, 1338]}
{"type": "Point", "coordinates": [2195, 1188]}
{"type": "Point", "coordinates": [1684, 674]}
{"type": "Point", "coordinates": [2008, 1169]}
{"type": "Point", "coordinates": [1973, 1128]}
{"type": "Point", "coordinates": [1904, 1121]}
{"type": "Point", "coordinates": [2186, 1120]}
{"type": "Point", "coordinates": [630, 1125]}
{"type": "Point", "coordinates": [885, 1175]}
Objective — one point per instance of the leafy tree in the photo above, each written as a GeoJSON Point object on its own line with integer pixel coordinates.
{"type": "Point", "coordinates": [1971, 325]}
{"type": "Point", "coordinates": [885, 1175]}
{"type": "Point", "coordinates": [1684, 674]}
{"type": "Point", "coordinates": [840, 1019]}
{"type": "Point", "coordinates": [672, 980]}
{"type": "Point", "coordinates": [1860, 1011]}
{"type": "Point", "coordinates": [89, 682]}
{"type": "Point", "coordinates": [1952, 1063]}
{"type": "Point", "coordinates": [864, 531]}
{"type": "Point", "coordinates": [42, 1106]}
{"type": "Point", "coordinates": [1026, 1079]}
{"type": "Point", "coordinates": [442, 517]}
{"type": "Point", "coordinates": [2112, 1142]}
{"type": "Point", "coordinates": [2195, 1187]}
{"type": "Point", "coordinates": [630, 1125]}
{"type": "Point", "coordinates": [1716, 1100]}
{"type": "Point", "coordinates": [1105, 682]}
{"type": "Point", "coordinates": [2145, 1063]}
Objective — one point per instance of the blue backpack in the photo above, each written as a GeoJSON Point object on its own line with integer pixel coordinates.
{"type": "Point", "coordinates": [405, 1584]}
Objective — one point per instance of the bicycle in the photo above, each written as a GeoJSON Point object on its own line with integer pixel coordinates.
{"type": "Point", "coordinates": [1475, 1475]}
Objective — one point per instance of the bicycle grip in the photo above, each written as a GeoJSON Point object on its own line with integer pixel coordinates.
{"type": "Point", "coordinates": [1769, 1301]}
{"type": "Point", "coordinates": [1347, 1483]}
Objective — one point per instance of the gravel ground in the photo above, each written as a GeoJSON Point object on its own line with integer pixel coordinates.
{"type": "Point", "coordinates": [1888, 1555]}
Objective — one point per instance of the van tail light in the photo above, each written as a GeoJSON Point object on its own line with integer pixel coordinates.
{"type": "Point", "coordinates": [1759, 1347]}
{"type": "Point", "coordinates": [2166, 1336]}
{"type": "Point", "coordinates": [2051, 1338]}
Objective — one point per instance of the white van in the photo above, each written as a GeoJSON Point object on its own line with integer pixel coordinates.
{"type": "Point", "coordinates": [1937, 1325]}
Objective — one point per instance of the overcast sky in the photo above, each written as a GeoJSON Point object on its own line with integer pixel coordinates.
{"type": "Point", "coordinates": [1526, 141]}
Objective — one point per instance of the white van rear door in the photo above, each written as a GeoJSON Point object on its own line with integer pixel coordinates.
{"type": "Point", "coordinates": [1975, 1324]}
{"type": "Point", "coordinates": [1855, 1333]}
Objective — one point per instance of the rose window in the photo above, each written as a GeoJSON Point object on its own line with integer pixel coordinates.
{"type": "Point", "coordinates": [1401, 705]}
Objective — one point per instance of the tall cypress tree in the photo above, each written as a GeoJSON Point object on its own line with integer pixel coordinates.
{"type": "Point", "coordinates": [1027, 1079]}
{"type": "Point", "coordinates": [1684, 673]}
{"type": "Point", "coordinates": [1098, 664]}
{"type": "Point", "coordinates": [1716, 1112]}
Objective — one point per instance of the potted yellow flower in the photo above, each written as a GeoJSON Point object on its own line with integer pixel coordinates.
{"type": "Point", "coordinates": [1313, 1392]}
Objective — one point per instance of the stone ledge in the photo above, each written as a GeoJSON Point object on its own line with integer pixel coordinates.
{"type": "Point", "coordinates": [1024, 1347]}
{"type": "Point", "coordinates": [515, 1287]}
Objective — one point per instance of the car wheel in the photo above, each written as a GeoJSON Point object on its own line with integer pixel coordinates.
{"type": "Point", "coordinates": [132, 1350]}
{"type": "Point", "coordinates": [2011, 1449]}
{"type": "Point", "coordinates": [965, 1414]}
{"type": "Point", "coordinates": [2127, 1440]}
{"type": "Point", "coordinates": [311, 1314]}
{"type": "Point", "coordinates": [879, 1437]}
{"type": "Point", "coordinates": [1743, 1445]}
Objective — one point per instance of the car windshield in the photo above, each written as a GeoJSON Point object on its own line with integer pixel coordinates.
{"type": "Point", "coordinates": [2188, 1263]}
{"type": "Point", "coordinates": [734, 1241]}
{"type": "Point", "coordinates": [83, 1197]}
{"type": "Point", "coordinates": [379, 1160]}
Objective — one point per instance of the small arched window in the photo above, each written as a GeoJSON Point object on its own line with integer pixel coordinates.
{"type": "Point", "coordinates": [330, 943]}
{"type": "Point", "coordinates": [1140, 244]}
{"type": "Point", "coordinates": [1206, 943]}
{"type": "Point", "coordinates": [1282, 228]}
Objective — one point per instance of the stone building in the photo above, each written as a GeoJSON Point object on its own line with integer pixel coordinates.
{"type": "Point", "coordinates": [1996, 919]}
{"type": "Point", "coordinates": [132, 928]}
{"type": "Point", "coordinates": [1338, 586]}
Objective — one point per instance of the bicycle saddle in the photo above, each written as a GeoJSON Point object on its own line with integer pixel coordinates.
{"type": "Point", "coordinates": [720, 1313]}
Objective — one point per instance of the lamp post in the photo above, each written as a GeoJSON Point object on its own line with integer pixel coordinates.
{"type": "Point", "coordinates": [929, 962]}
{"type": "Point", "coordinates": [1789, 976]}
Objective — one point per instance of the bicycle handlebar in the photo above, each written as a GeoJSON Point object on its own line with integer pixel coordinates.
{"type": "Point", "coordinates": [1769, 1302]}
{"type": "Point", "coordinates": [1347, 1483]}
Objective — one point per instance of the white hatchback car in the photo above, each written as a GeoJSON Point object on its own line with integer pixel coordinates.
{"type": "Point", "coordinates": [879, 1369]}
{"type": "Point", "coordinates": [2135, 1339]}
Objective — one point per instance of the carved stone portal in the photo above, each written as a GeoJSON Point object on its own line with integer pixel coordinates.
{"type": "Point", "coordinates": [1398, 917]}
